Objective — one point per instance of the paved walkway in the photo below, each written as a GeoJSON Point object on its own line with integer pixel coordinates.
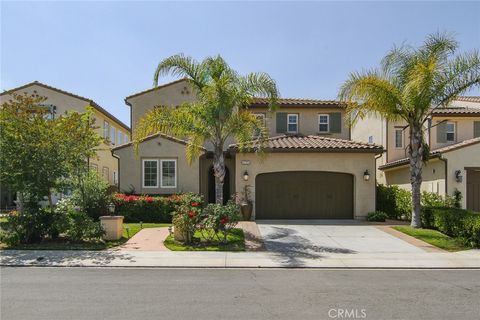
{"type": "Point", "coordinates": [253, 238]}
{"type": "Point", "coordinates": [148, 239]}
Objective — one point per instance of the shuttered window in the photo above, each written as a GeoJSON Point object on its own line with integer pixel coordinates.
{"type": "Point", "coordinates": [292, 123]}
{"type": "Point", "coordinates": [450, 133]}
{"type": "Point", "coordinates": [323, 123]}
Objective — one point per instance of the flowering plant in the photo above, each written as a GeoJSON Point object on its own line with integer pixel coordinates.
{"type": "Point", "coordinates": [219, 220]}
{"type": "Point", "coordinates": [187, 215]}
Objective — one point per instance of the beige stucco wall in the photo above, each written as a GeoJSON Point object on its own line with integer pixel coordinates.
{"type": "Point", "coordinates": [66, 103]}
{"type": "Point", "coordinates": [458, 160]}
{"type": "Point", "coordinates": [433, 177]}
{"type": "Point", "coordinates": [352, 163]}
{"type": "Point", "coordinates": [157, 148]}
{"type": "Point", "coordinates": [464, 130]}
{"type": "Point", "coordinates": [170, 95]}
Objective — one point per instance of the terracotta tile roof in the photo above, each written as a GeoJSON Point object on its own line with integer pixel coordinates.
{"type": "Point", "coordinates": [434, 153]}
{"type": "Point", "coordinates": [456, 111]}
{"type": "Point", "coordinates": [90, 101]}
{"type": "Point", "coordinates": [153, 136]}
{"type": "Point", "coordinates": [299, 143]}
{"type": "Point", "coordinates": [293, 102]}
{"type": "Point", "coordinates": [469, 98]}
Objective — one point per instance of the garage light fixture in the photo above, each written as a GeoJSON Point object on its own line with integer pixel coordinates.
{"type": "Point", "coordinates": [245, 175]}
{"type": "Point", "coordinates": [366, 175]}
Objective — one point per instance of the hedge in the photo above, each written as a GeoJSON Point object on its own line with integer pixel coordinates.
{"type": "Point", "coordinates": [156, 209]}
{"type": "Point", "coordinates": [453, 222]}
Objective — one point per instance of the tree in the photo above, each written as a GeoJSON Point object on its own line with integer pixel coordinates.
{"type": "Point", "coordinates": [40, 153]}
{"type": "Point", "coordinates": [219, 112]}
{"type": "Point", "coordinates": [411, 83]}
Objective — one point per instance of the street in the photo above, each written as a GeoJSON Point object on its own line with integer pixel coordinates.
{"type": "Point", "coordinates": [117, 293]}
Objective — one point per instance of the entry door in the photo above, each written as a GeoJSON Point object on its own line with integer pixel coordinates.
{"type": "Point", "coordinates": [473, 189]}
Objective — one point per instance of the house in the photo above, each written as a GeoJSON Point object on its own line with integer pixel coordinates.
{"type": "Point", "coordinates": [453, 134]}
{"type": "Point", "coordinates": [310, 169]}
{"type": "Point", "coordinates": [114, 131]}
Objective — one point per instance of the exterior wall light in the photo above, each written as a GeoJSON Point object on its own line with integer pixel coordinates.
{"type": "Point", "coordinates": [111, 208]}
{"type": "Point", "coordinates": [366, 175]}
{"type": "Point", "coordinates": [458, 176]}
{"type": "Point", "coordinates": [245, 175]}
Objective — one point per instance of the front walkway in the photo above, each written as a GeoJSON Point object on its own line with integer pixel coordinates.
{"type": "Point", "coordinates": [148, 239]}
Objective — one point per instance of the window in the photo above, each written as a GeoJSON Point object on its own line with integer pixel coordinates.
{"type": "Point", "coordinates": [398, 138]}
{"type": "Point", "coordinates": [150, 173]}
{"type": "Point", "coordinates": [106, 130]}
{"type": "Point", "coordinates": [450, 132]}
{"type": "Point", "coordinates": [105, 173]}
{"type": "Point", "coordinates": [125, 138]}
{"type": "Point", "coordinates": [370, 139]}
{"type": "Point", "coordinates": [94, 167]}
{"type": "Point", "coordinates": [261, 118]}
{"type": "Point", "coordinates": [115, 177]}
{"type": "Point", "coordinates": [169, 173]}
{"type": "Point", "coordinates": [119, 137]}
{"type": "Point", "coordinates": [323, 123]}
{"type": "Point", "coordinates": [112, 135]}
{"type": "Point", "coordinates": [51, 110]}
{"type": "Point", "coordinates": [292, 123]}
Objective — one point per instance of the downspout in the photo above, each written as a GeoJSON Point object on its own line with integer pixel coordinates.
{"type": "Point", "coordinates": [118, 167]}
{"type": "Point", "coordinates": [375, 174]}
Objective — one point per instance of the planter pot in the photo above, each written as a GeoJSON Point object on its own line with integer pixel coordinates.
{"type": "Point", "coordinates": [113, 226]}
{"type": "Point", "coordinates": [181, 235]}
{"type": "Point", "coordinates": [246, 210]}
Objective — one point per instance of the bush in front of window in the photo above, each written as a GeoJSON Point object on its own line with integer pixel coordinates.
{"type": "Point", "coordinates": [150, 209]}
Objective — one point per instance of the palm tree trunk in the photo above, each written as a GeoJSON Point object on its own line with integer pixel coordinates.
{"type": "Point", "coordinates": [219, 172]}
{"type": "Point", "coordinates": [415, 153]}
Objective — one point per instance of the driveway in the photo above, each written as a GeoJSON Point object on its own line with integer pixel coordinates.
{"type": "Point", "coordinates": [319, 238]}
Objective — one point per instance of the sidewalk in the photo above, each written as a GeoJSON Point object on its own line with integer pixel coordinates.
{"type": "Point", "coordinates": [111, 258]}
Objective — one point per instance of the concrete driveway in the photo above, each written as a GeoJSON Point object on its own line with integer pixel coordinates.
{"type": "Point", "coordinates": [319, 238]}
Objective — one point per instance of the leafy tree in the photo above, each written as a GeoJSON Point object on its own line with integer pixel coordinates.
{"type": "Point", "coordinates": [220, 111]}
{"type": "Point", "coordinates": [40, 153]}
{"type": "Point", "coordinates": [411, 83]}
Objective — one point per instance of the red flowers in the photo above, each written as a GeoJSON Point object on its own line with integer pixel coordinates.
{"type": "Point", "coordinates": [192, 214]}
{"type": "Point", "coordinates": [148, 199]}
{"type": "Point", "coordinates": [195, 204]}
{"type": "Point", "coordinates": [224, 220]}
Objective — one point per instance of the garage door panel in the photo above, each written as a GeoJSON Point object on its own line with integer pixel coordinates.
{"type": "Point", "coordinates": [304, 195]}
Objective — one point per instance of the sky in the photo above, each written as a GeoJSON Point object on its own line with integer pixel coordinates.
{"type": "Point", "coordinates": [108, 50]}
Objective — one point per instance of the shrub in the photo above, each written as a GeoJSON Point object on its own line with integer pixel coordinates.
{"type": "Point", "coordinates": [145, 208]}
{"type": "Point", "coordinates": [378, 216]}
{"type": "Point", "coordinates": [30, 226]}
{"type": "Point", "coordinates": [83, 228]}
{"type": "Point", "coordinates": [92, 195]}
{"type": "Point", "coordinates": [454, 222]}
{"type": "Point", "coordinates": [187, 215]}
{"type": "Point", "coordinates": [394, 201]}
{"type": "Point", "coordinates": [220, 218]}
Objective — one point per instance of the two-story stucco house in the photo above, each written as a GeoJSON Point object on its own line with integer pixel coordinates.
{"type": "Point", "coordinates": [453, 135]}
{"type": "Point", "coordinates": [310, 169]}
{"type": "Point", "coordinates": [114, 131]}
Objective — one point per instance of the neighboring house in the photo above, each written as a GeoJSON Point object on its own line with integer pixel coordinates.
{"type": "Point", "coordinates": [113, 130]}
{"type": "Point", "coordinates": [310, 168]}
{"type": "Point", "coordinates": [453, 135]}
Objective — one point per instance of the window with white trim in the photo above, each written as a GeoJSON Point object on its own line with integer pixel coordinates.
{"type": "Point", "coordinates": [292, 123]}
{"type": "Point", "coordinates": [169, 173]}
{"type": "Point", "coordinates": [119, 137]}
{"type": "Point", "coordinates": [112, 135]}
{"type": "Point", "coordinates": [115, 177]}
{"type": "Point", "coordinates": [398, 138]}
{"type": "Point", "coordinates": [323, 123]}
{"type": "Point", "coordinates": [451, 131]}
{"type": "Point", "coordinates": [106, 130]}
{"type": "Point", "coordinates": [370, 139]}
{"type": "Point", "coordinates": [126, 139]}
{"type": "Point", "coordinates": [260, 117]}
{"type": "Point", "coordinates": [150, 173]}
{"type": "Point", "coordinates": [105, 173]}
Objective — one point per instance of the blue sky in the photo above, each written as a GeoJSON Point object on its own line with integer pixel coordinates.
{"type": "Point", "coordinates": [109, 50]}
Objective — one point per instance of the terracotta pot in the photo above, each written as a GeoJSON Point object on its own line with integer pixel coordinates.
{"type": "Point", "coordinates": [246, 209]}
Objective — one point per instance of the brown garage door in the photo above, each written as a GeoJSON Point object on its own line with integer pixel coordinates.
{"type": "Point", "coordinates": [473, 189]}
{"type": "Point", "coordinates": [304, 195]}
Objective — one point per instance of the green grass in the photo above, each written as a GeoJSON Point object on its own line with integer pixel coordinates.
{"type": "Point", "coordinates": [235, 242]}
{"type": "Point", "coordinates": [62, 244]}
{"type": "Point", "coordinates": [434, 237]}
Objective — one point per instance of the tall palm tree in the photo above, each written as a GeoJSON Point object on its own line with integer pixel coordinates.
{"type": "Point", "coordinates": [411, 83]}
{"type": "Point", "coordinates": [219, 112]}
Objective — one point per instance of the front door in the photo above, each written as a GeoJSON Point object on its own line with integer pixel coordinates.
{"type": "Point", "coordinates": [473, 189]}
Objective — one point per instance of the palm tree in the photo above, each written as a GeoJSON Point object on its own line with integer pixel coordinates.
{"type": "Point", "coordinates": [220, 111]}
{"type": "Point", "coordinates": [411, 83]}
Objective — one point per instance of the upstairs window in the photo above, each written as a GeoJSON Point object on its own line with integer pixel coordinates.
{"type": "Point", "coordinates": [292, 123]}
{"type": "Point", "coordinates": [106, 130]}
{"type": "Point", "coordinates": [398, 138]}
{"type": "Point", "coordinates": [323, 123]}
{"type": "Point", "coordinates": [125, 138]}
{"type": "Point", "coordinates": [451, 132]}
{"type": "Point", "coordinates": [112, 135]}
{"type": "Point", "coordinates": [119, 137]}
{"type": "Point", "coordinates": [150, 173]}
{"type": "Point", "coordinates": [261, 118]}
{"type": "Point", "coordinates": [370, 139]}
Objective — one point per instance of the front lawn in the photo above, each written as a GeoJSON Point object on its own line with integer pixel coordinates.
{"type": "Point", "coordinates": [60, 244]}
{"type": "Point", "coordinates": [235, 242]}
{"type": "Point", "coordinates": [433, 237]}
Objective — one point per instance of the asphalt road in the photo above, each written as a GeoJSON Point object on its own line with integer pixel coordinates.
{"type": "Point", "coordinates": [88, 293]}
